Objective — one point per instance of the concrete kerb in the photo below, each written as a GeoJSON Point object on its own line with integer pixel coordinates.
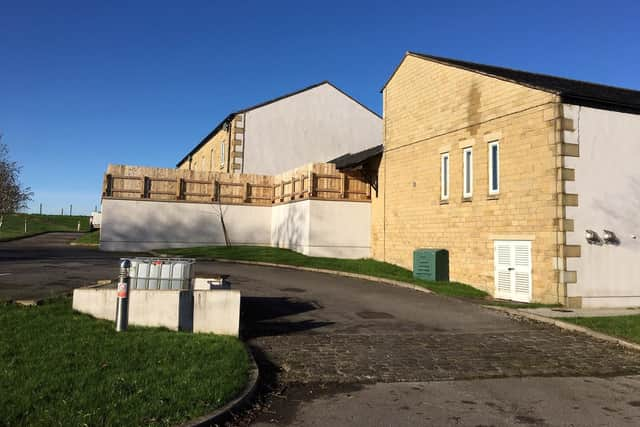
{"type": "Point", "coordinates": [566, 326]}
{"type": "Point", "coordinates": [318, 270]}
{"type": "Point", "coordinates": [241, 402]}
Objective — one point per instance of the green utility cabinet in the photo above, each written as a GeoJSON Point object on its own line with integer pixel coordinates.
{"type": "Point", "coordinates": [431, 264]}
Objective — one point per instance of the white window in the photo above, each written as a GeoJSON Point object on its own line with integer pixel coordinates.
{"type": "Point", "coordinates": [222, 153]}
{"type": "Point", "coordinates": [467, 172]}
{"type": "Point", "coordinates": [494, 167]}
{"type": "Point", "coordinates": [444, 176]}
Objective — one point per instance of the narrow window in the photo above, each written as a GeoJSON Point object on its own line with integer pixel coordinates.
{"type": "Point", "coordinates": [494, 167]}
{"type": "Point", "coordinates": [467, 156]}
{"type": "Point", "coordinates": [222, 154]}
{"type": "Point", "coordinates": [444, 176]}
{"type": "Point", "coordinates": [212, 159]}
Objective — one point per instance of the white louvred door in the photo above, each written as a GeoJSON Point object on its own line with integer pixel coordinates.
{"type": "Point", "coordinates": [512, 260]}
{"type": "Point", "coordinates": [522, 271]}
{"type": "Point", "coordinates": [502, 258]}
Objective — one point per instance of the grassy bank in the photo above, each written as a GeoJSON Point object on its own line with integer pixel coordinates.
{"type": "Point", "coordinates": [625, 327]}
{"type": "Point", "coordinates": [13, 224]}
{"type": "Point", "coordinates": [360, 266]}
{"type": "Point", "coordinates": [91, 238]}
{"type": "Point", "coordinates": [58, 367]}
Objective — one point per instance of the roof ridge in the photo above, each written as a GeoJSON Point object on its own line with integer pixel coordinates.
{"type": "Point", "coordinates": [470, 63]}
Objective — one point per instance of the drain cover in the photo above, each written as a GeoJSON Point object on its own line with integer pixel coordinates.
{"type": "Point", "coordinates": [292, 290]}
{"type": "Point", "coordinates": [562, 310]}
{"type": "Point", "coordinates": [374, 315]}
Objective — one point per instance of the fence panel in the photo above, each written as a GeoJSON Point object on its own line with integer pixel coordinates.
{"type": "Point", "coordinates": [315, 180]}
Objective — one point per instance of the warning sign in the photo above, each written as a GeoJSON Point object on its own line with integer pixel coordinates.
{"type": "Point", "coordinates": [122, 290]}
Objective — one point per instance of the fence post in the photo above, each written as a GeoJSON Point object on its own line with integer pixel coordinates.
{"type": "Point", "coordinates": [214, 191]}
{"type": "Point", "coordinates": [146, 184]}
{"type": "Point", "coordinates": [312, 184]}
{"type": "Point", "coordinates": [343, 183]}
{"type": "Point", "coordinates": [245, 195]}
{"type": "Point", "coordinates": [107, 185]}
{"type": "Point", "coordinates": [282, 191]}
{"type": "Point", "coordinates": [302, 177]}
{"type": "Point", "coordinates": [178, 188]}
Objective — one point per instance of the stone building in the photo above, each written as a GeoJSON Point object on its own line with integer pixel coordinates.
{"type": "Point", "coordinates": [529, 181]}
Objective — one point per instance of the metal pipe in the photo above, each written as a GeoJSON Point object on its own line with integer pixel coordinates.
{"type": "Point", "coordinates": [122, 307]}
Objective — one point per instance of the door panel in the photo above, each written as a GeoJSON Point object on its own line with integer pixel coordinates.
{"type": "Point", "coordinates": [512, 260]}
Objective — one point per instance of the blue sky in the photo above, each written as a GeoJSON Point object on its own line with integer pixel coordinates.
{"type": "Point", "coordinates": [87, 83]}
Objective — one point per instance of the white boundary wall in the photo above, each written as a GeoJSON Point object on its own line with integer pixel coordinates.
{"type": "Point", "coordinates": [607, 182]}
{"type": "Point", "coordinates": [312, 227]}
{"type": "Point", "coordinates": [137, 225]}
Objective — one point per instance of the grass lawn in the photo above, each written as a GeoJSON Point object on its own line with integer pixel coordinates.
{"type": "Point", "coordinates": [625, 327]}
{"type": "Point", "coordinates": [360, 266]}
{"type": "Point", "coordinates": [13, 224]}
{"type": "Point", "coordinates": [59, 367]}
{"type": "Point", "coordinates": [91, 238]}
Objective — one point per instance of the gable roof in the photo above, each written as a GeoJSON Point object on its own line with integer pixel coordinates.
{"type": "Point", "coordinates": [571, 91]}
{"type": "Point", "coordinates": [230, 116]}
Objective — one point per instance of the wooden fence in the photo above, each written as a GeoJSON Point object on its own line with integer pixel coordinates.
{"type": "Point", "coordinates": [314, 181]}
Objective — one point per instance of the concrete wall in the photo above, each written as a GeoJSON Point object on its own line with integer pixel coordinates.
{"type": "Point", "coordinates": [313, 126]}
{"type": "Point", "coordinates": [290, 226]}
{"type": "Point", "coordinates": [215, 311]}
{"type": "Point", "coordinates": [131, 225]}
{"type": "Point", "coordinates": [167, 308]}
{"type": "Point", "coordinates": [323, 228]}
{"type": "Point", "coordinates": [312, 227]}
{"type": "Point", "coordinates": [340, 229]}
{"type": "Point", "coordinates": [607, 181]}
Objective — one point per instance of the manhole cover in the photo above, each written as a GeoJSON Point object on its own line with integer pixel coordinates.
{"type": "Point", "coordinates": [292, 290]}
{"type": "Point", "coordinates": [374, 315]}
{"type": "Point", "coordinates": [562, 310]}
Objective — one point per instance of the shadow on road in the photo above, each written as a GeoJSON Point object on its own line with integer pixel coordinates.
{"type": "Point", "coordinates": [266, 316]}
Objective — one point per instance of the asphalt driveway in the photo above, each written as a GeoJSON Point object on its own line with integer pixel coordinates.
{"type": "Point", "coordinates": [341, 351]}
{"type": "Point", "coordinates": [46, 265]}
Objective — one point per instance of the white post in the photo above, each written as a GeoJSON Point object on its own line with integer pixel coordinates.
{"type": "Point", "coordinates": [78, 225]}
{"type": "Point", "coordinates": [1, 219]}
{"type": "Point", "coordinates": [25, 225]}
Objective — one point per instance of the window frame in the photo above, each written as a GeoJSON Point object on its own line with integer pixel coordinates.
{"type": "Point", "coordinates": [222, 156]}
{"type": "Point", "coordinates": [495, 143]}
{"type": "Point", "coordinates": [445, 182]}
{"type": "Point", "coordinates": [467, 167]}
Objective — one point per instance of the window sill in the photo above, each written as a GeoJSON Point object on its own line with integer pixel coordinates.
{"type": "Point", "coordinates": [493, 196]}
{"type": "Point", "coordinates": [466, 199]}
{"type": "Point", "coordinates": [444, 202]}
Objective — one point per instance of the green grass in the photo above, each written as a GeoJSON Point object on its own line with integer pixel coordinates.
{"type": "Point", "coordinates": [626, 327]}
{"type": "Point", "coordinates": [13, 224]}
{"type": "Point", "coordinates": [360, 266]}
{"type": "Point", "coordinates": [91, 238]}
{"type": "Point", "coordinates": [59, 367]}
